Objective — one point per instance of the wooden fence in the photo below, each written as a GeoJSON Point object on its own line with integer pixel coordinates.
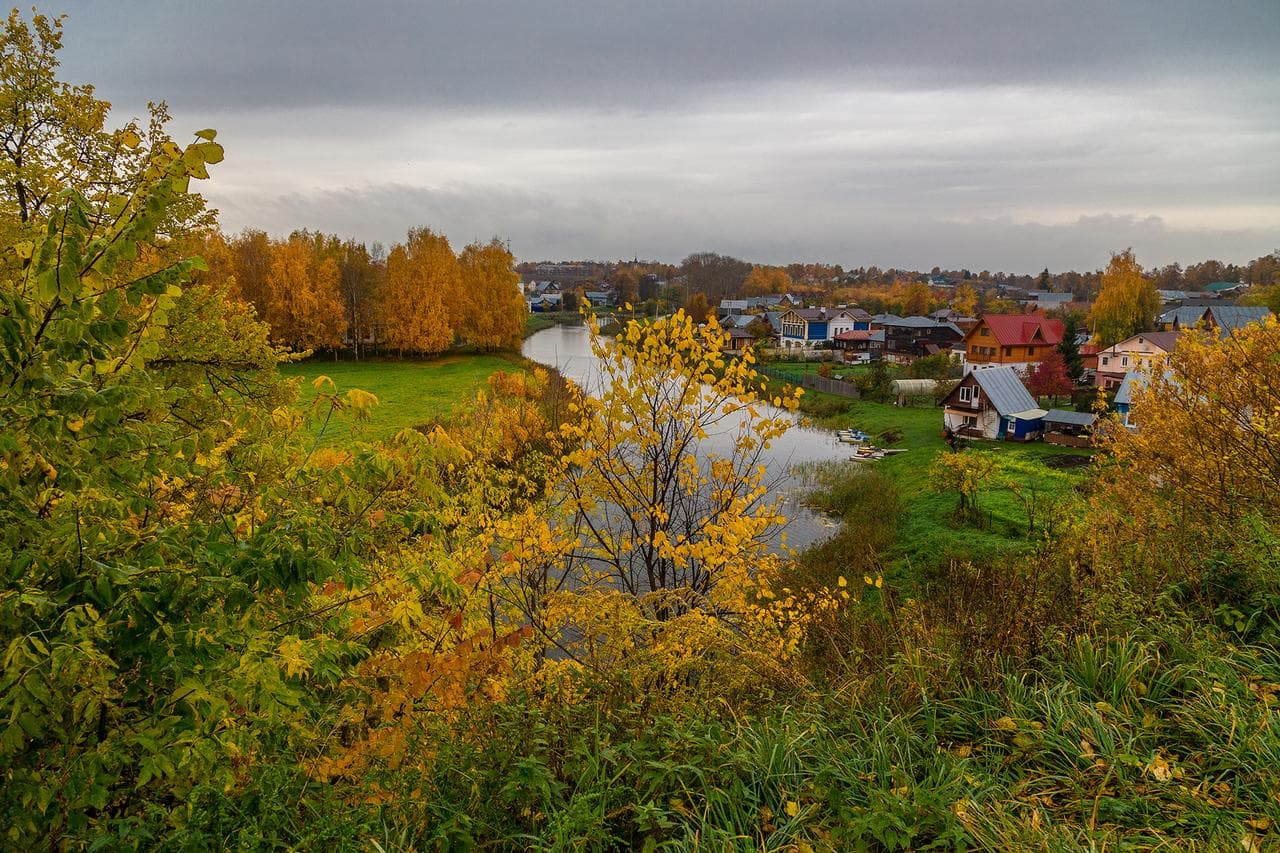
{"type": "Point", "coordinates": [812, 381]}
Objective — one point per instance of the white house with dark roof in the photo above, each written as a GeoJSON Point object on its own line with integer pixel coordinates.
{"type": "Point", "coordinates": [992, 402]}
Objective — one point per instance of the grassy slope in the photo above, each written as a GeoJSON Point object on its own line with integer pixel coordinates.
{"type": "Point", "coordinates": [927, 531]}
{"type": "Point", "coordinates": [409, 392]}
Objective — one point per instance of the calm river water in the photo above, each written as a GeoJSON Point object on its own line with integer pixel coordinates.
{"type": "Point", "coordinates": [568, 349]}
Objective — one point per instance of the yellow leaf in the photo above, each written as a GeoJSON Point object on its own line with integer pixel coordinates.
{"type": "Point", "coordinates": [793, 808]}
{"type": "Point", "coordinates": [129, 138]}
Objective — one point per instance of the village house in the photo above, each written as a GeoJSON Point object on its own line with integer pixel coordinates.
{"type": "Point", "coordinates": [1224, 318]}
{"type": "Point", "coordinates": [1135, 353]}
{"type": "Point", "coordinates": [1044, 300]}
{"type": "Point", "coordinates": [909, 338]}
{"type": "Point", "coordinates": [1010, 340]}
{"type": "Point", "coordinates": [859, 345]}
{"type": "Point", "coordinates": [1123, 401]}
{"type": "Point", "coordinates": [739, 339]}
{"type": "Point", "coordinates": [544, 302]}
{"type": "Point", "coordinates": [809, 327]}
{"type": "Point", "coordinates": [992, 403]}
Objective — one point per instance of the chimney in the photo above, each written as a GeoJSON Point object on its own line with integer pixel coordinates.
{"type": "Point", "coordinates": [822, 312]}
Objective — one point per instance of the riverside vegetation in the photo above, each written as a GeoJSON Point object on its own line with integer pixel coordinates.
{"type": "Point", "coordinates": [544, 622]}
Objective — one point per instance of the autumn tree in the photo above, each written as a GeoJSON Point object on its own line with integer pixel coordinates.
{"type": "Point", "coordinates": [494, 311]}
{"type": "Point", "coordinates": [1126, 304]}
{"type": "Point", "coordinates": [252, 264]}
{"type": "Point", "coordinates": [964, 473]}
{"type": "Point", "coordinates": [697, 308]}
{"type": "Point", "coordinates": [964, 300]}
{"type": "Point", "coordinates": [423, 293]}
{"type": "Point", "coordinates": [626, 284]}
{"type": "Point", "coordinates": [766, 280]}
{"type": "Point", "coordinates": [1200, 474]}
{"type": "Point", "coordinates": [360, 278]}
{"type": "Point", "coordinates": [660, 571]}
{"type": "Point", "coordinates": [54, 136]}
{"type": "Point", "coordinates": [1049, 377]}
{"type": "Point", "coordinates": [716, 276]}
{"type": "Point", "coordinates": [304, 307]}
{"type": "Point", "coordinates": [917, 299]}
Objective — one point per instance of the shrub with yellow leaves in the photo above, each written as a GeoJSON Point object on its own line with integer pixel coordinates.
{"type": "Point", "coordinates": [650, 567]}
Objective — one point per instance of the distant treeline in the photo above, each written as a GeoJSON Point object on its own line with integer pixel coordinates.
{"type": "Point", "coordinates": [321, 291]}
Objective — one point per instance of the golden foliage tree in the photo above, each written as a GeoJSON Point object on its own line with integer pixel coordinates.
{"type": "Point", "coordinates": [494, 311]}
{"type": "Point", "coordinates": [422, 298]}
{"type": "Point", "coordinates": [765, 280]}
{"type": "Point", "coordinates": [1202, 468]}
{"type": "Point", "coordinates": [305, 307]}
{"type": "Point", "coordinates": [1126, 304]}
{"type": "Point", "coordinates": [965, 300]}
{"type": "Point", "coordinates": [651, 569]}
{"type": "Point", "coordinates": [917, 299]}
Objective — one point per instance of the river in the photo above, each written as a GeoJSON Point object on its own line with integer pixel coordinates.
{"type": "Point", "coordinates": [568, 349]}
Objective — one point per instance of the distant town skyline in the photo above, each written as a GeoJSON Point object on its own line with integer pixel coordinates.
{"type": "Point", "coordinates": [1004, 135]}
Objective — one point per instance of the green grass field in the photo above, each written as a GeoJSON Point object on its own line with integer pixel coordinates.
{"type": "Point", "coordinates": [926, 529]}
{"type": "Point", "coordinates": [409, 392]}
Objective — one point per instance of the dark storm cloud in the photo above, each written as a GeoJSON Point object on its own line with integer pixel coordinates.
{"type": "Point", "coordinates": [999, 134]}
{"type": "Point", "coordinates": [476, 52]}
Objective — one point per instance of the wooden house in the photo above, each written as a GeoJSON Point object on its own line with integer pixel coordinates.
{"type": "Point", "coordinates": [992, 403]}
{"type": "Point", "coordinates": [1010, 340]}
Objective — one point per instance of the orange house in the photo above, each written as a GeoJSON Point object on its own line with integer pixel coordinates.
{"type": "Point", "coordinates": [1011, 340]}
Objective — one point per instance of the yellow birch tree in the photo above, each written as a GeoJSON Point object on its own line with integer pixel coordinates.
{"type": "Point", "coordinates": [421, 300]}
{"type": "Point", "coordinates": [494, 311]}
{"type": "Point", "coordinates": [1126, 304]}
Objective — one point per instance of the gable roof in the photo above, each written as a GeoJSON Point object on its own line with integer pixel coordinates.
{"type": "Point", "coordinates": [1229, 318]}
{"type": "Point", "coordinates": [1022, 329]}
{"type": "Point", "coordinates": [1184, 315]}
{"type": "Point", "coordinates": [914, 323]}
{"type": "Point", "coordinates": [1163, 340]}
{"type": "Point", "coordinates": [1221, 286]}
{"type": "Point", "coordinates": [860, 335]}
{"type": "Point", "coordinates": [817, 315]}
{"type": "Point", "coordinates": [1004, 389]}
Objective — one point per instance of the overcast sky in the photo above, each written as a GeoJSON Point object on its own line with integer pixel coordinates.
{"type": "Point", "coordinates": [988, 135]}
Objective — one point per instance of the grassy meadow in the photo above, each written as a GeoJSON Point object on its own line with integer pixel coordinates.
{"type": "Point", "coordinates": [409, 392]}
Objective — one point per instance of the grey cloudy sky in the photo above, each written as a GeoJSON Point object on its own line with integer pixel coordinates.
{"type": "Point", "coordinates": [989, 135]}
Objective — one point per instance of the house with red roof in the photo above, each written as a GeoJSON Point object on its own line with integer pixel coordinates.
{"type": "Point", "coordinates": [1011, 340]}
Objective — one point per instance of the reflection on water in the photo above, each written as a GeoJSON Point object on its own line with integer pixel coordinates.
{"type": "Point", "coordinates": [568, 348]}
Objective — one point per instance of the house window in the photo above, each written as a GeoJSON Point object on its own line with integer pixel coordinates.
{"type": "Point", "coordinates": [975, 395]}
{"type": "Point", "coordinates": [964, 395]}
{"type": "Point", "coordinates": [973, 350]}
{"type": "Point", "coordinates": [1031, 351]}
{"type": "Point", "coordinates": [1124, 362]}
{"type": "Point", "coordinates": [1105, 361]}
{"type": "Point", "coordinates": [984, 331]}
{"type": "Point", "coordinates": [971, 421]}
{"type": "Point", "coordinates": [1008, 350]}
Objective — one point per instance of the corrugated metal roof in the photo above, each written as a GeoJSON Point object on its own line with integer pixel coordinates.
{"type": "Point", "coordinates": [1004, 389]}
{"type": "Point", "coordinates": [1232, 317]}
{"type": "Point", "coordinates": [1185, 315]}
{"type": "Point", "coordinates": [1065, 416]}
